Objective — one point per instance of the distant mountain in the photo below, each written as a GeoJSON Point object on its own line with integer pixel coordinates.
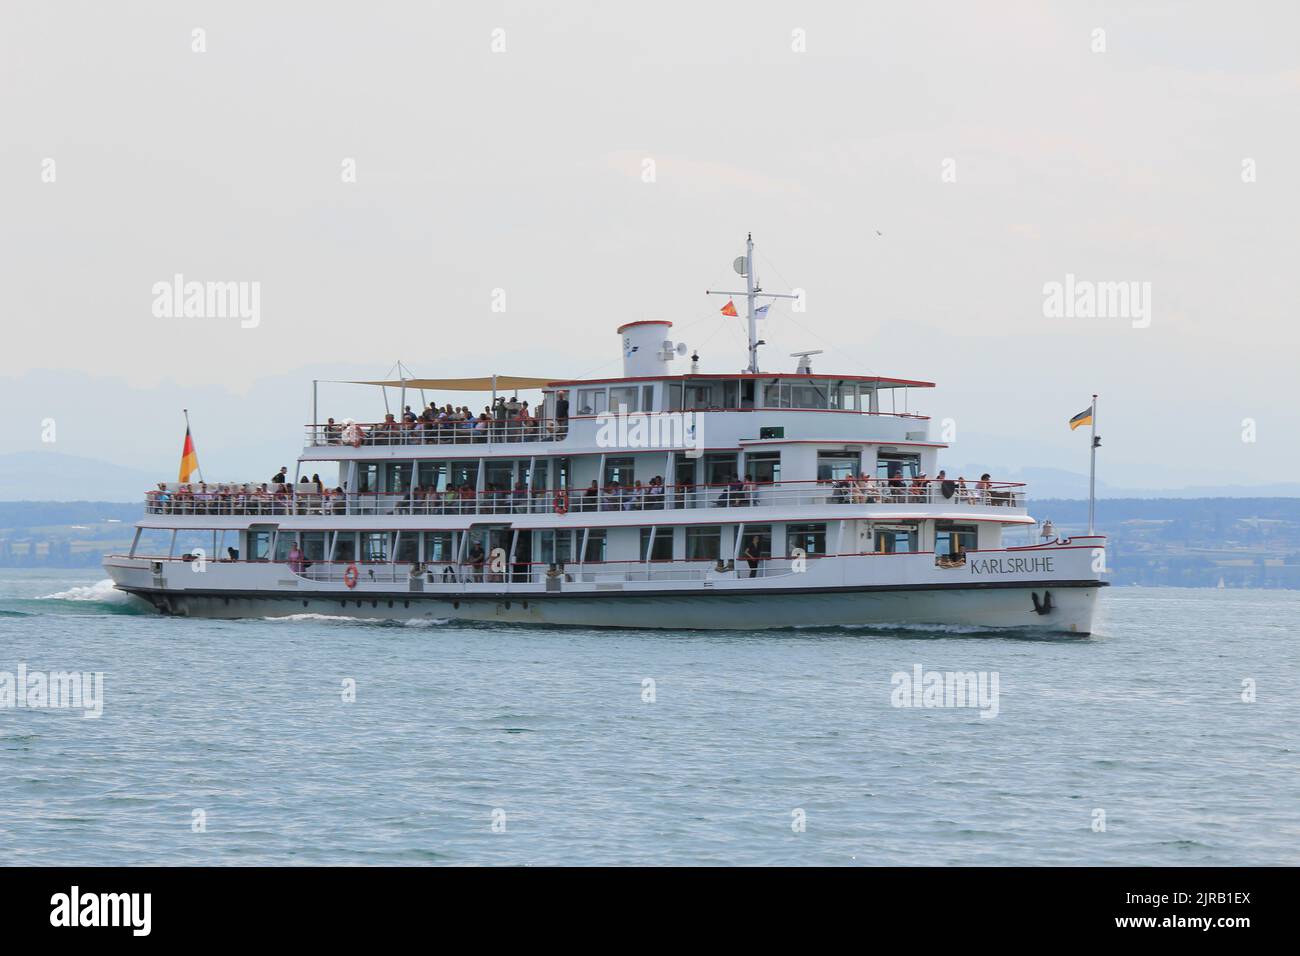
{"type": "Point", "coordinates": [51, 476]}
{"type": "Point", "coordinates": [1059, 483]}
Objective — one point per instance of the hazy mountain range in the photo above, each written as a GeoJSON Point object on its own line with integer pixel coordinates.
{"type": "Point", "coordinates": [53, 476]}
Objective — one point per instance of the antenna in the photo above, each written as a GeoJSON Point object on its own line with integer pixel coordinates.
{"type": "Point", "coordinates": [805, 366]}
{"type": "Point", "coordinates": [744, 265]}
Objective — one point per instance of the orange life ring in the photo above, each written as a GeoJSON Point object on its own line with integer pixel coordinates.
{"type": "Point", "coordinates": [561, 502]}
{"type": "Point", "coordinates": [350, 576]}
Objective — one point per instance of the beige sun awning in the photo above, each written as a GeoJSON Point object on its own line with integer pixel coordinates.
{"type": "Point", "coordinates": [481, 384]}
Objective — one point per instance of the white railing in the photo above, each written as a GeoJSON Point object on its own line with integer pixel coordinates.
{"type": "Point", "coordinates": [473, 431]}
{"type": "Point", "coordinates": [255, 500]}
{"type": "Point", "coordinates": [458, 573]}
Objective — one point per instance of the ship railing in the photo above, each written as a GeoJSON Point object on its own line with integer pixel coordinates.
{"type": "Point", "coordinates": [454, 572]}
{"type": "Point", "coordinates": [471, 432]}
{"type": "Point", "coordinates": [253, 500]}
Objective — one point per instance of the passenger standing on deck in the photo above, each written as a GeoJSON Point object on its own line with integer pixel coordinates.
{"type": "Point", "coordinates": [752, 554]}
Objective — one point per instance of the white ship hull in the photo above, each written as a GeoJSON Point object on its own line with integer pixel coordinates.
{"type": "Point", "coordinates": [1061, 599]}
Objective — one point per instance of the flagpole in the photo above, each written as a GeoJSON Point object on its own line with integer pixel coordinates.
{"type": "Point", "coordinates": [1092, 468]}
{"type": "Point", "coordinates": [196, 451]}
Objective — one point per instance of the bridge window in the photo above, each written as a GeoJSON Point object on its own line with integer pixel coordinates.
{"type": "Point", "coordinates": [623, 398]}
{"type": "Point", "coordinates": [591, 401]}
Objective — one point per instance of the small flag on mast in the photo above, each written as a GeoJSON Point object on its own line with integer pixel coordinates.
{"type": "Point", "coordinates": [1083, 418]}
{"type": "Point", "coordinates": [761, 311]}
{"type": "Point", "coordinates": [189, 457]}
{"type": "Point", "coordinates": [730, 308]}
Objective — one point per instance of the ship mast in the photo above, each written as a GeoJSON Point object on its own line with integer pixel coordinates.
{"type": "Point", "coordinates": [744, 265]}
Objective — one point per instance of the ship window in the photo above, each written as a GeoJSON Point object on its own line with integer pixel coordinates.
{"type": "Point", "coordinates": [556, 547]}
{"type": "Point", "coordinates": [647, 398]}
{"type": "Point", "coordinates": [464, 473]}
{"type": "Point", "coordinates": [763, 532]}
{"type": "Point", "coordinates": [719, 469]}
{"type": "Point", "coordinates": [700, 395]}
{"type": "Point", "coordinates": [763, 468]}
{"type": "Point", "coordinates": [896, 539]}
{"type": "Point", "coordinates": [438, 546]}
{"type": "Point", "coordinates": [808, 396]}
{"type": "Point", "coordinates": [313, 545]}
{"type": "Point", "coordinates": [397, 477]}
{"type": "Point", "coordinates": [623, 398]}
{"type": "Point", "coordinates": [368, 476]}
{"type": "Point", "coordinates": [731, 394]}
{"type": "Point", "coordinates": [408, 547]}
{"type": "Point", "coordinates": [952, 539]}
{"type": "Point", "coordinates": [810, 537]}
{"type": "Point", "coordinates": [775, 396]}
{"type": "Point", "coordinates": [591, 401]}
{"type": "Point", "coordinates": [675, 395]}
{"type": "Point", "coordinates": [374, 545]}
{"type": "Point", "coordinates": [898, 466]}
{"type": "Point", "coordinates": [498, 474]}
{"type": "Point", "coordinates": [703, 542]}
{"type": "Point", "coordinates": [836, 465]}
{"type": "Point", "coordinates": [618, 471]}
{"type": "Point", "coordinates": [259, 545]}
{"type": "Point", "coordinates": [433, 474]}
{"type": "Point", "coordinates": [283, 543]}
{"type": "Point", "coordinates": [844, 396]}
{"type": "Point", "coordinates": [595, 545]}
{"type": "Point", "coordinates": [345, 546]}
{"type": "Point", "coordinates": [663, 545]}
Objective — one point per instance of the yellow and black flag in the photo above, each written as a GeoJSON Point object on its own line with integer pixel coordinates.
{"type": "Point", "coordinates": [189, 457]}
{"type": "Point", "coordinates": [1083, 418]}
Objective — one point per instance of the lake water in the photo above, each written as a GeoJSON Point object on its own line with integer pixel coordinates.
{"type": "Point", "coordinates": [521, 745]}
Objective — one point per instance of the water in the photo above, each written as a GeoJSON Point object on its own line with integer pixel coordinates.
{"type": "Point", "coordinates": [245, 721]}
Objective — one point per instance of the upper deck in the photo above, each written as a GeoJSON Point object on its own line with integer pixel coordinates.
{"type": "Point", "coordinates": [697, 411]}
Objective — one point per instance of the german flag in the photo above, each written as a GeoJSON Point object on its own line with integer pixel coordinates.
{"type": "Point", "coordinates": [189, 457]}
{"type": "Point", "coordinates": [730, 309]}
{"type": "Point", "coordinates": [1083, 418]}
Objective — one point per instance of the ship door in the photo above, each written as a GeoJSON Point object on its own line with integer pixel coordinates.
{"type": "Point", "coordinates": [492, 537]}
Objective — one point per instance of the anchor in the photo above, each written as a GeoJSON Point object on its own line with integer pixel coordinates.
{"type": "Point", "coordinates": [1044, 606]}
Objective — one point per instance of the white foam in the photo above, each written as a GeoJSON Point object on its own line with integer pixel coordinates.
{"type": "Point", "coordinates": [344, 619]}
{"type": "Point", "coordinates": [333, 618]}
{"type": "Point", "coordinates": [101, 591]}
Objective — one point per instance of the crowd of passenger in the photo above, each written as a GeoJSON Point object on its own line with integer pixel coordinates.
{"type": "Point", "coordinates": [897, 488]}
{"type": "Point", "coordinates": [504, 420]}
{"type": "Point", "coordinates": [309, 496]}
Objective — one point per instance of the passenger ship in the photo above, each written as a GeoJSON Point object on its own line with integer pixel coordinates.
{"type": "Point", "coordinates": [663, 498]}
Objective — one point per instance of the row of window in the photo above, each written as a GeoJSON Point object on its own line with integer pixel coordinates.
{"type": "Point", "coordinates": [714, 469]}
{"type": "Point", "coordinates": [832, 394]}
{"type": "Point", "coordinates": [702, 542]}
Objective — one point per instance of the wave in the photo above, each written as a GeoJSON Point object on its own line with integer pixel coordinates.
{"type": "Point", "coordinates": [365, 621]}
{"type": "Point", "coordinates": [101, 592]}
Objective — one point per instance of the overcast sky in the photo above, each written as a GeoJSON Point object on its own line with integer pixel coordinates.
{"type": "Point", "coordinates": [525, 170]}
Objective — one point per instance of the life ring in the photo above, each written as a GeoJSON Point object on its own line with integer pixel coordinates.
{"type": "Point", "coordinates": [561, 502]}
{"type": "Point", "coordinates": [350, 576]}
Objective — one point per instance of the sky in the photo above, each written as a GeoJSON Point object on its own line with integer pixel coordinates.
{"type": "Point", "coordinates": [388, 173]}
